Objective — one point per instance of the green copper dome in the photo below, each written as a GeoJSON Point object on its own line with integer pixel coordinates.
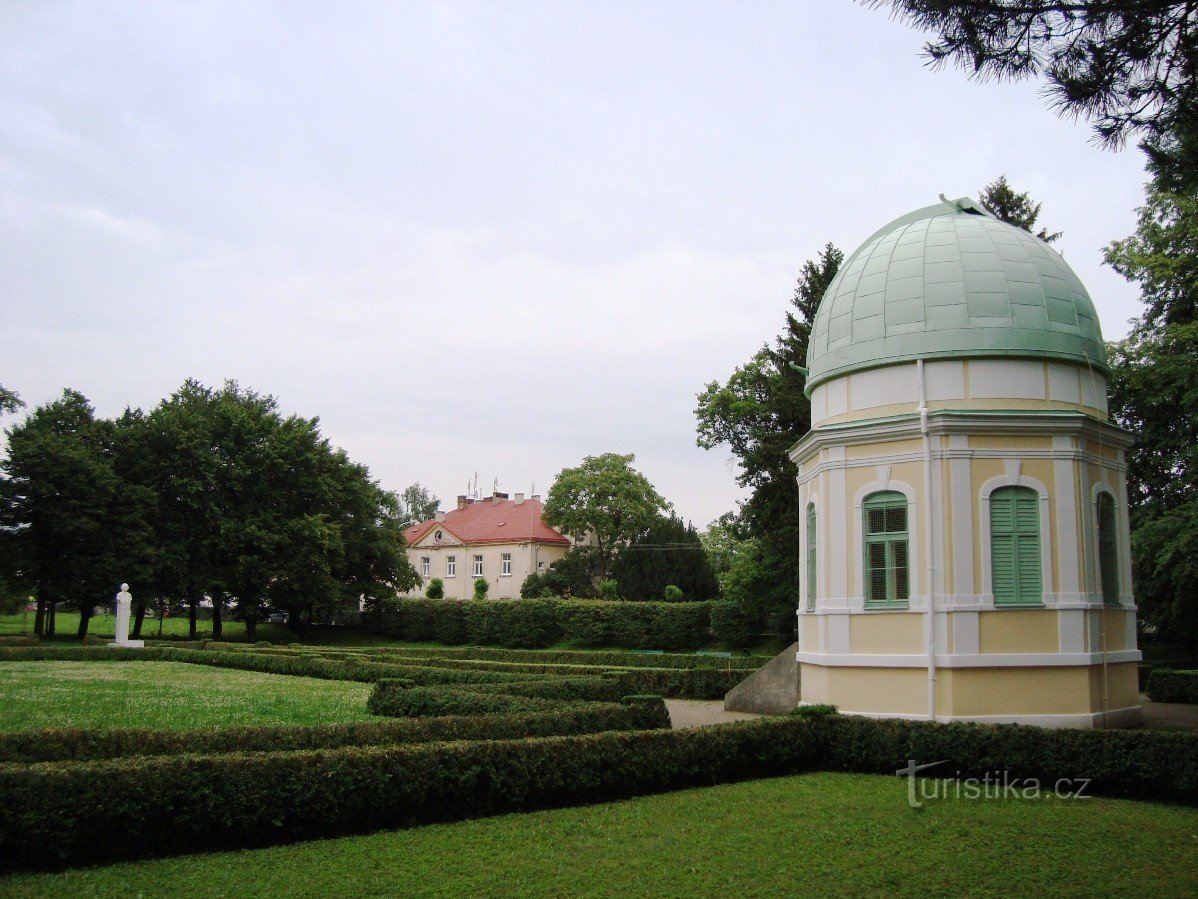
{"type": "Point", "coordinates": [952, 281]}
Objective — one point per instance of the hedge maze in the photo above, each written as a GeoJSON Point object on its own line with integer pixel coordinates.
{"type": "Point", "coordinates": [469, 732]}
{"type": "Point", "coordinates": [457, 731]}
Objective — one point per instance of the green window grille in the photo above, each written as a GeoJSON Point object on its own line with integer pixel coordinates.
{"type": "Point", "coordinates": [1015, 546]}
{"type": "Point", "coordinates": [1108, 549]}
{"type": "Point", "coordinates": [812, 557]}
{"type": "Point", "coordinates": [887, 574]}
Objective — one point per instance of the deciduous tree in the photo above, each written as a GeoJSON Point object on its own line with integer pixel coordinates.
{"type": "Point", "coordinates": [605, 499]}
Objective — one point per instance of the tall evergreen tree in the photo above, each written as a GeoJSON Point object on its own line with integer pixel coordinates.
{"type": "Point", "coordinates": [1015, 208]}
{"type": "Point", "coordinates": [668, 551]}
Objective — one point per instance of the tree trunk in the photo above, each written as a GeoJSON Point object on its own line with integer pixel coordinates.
{"type": "Point", "coordinates": [39, 617]}
{"type": "Point", "coordinates": [218, 624]}
{"type": "Point", "coordinates": [85, 619]}
{"type": "Point", "coordinates": [193, 605]}
{"type": "Point", "coordinates": [251, 628]}
{"type": "Point", "coordinates": [139, 616]}
{"type": "Point", "coordinates": [50, 618]}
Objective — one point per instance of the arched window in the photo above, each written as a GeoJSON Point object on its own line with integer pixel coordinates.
{"type": "Point", "coordinates": [1015, 546]}
{"type": "Point", "coordinates": [1108, 549]}
{"type": "Point", "coordinates": [886, 562]}
{"type": "Point", "coordinates": [812, 558]}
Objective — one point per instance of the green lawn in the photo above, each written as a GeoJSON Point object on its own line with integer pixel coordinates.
{"type": "Point", "coordinates": [168, 695]}
{"type": "Point", "coordinates": [67, 623]}
{"type": "Point", "coordinates": [815, 834]}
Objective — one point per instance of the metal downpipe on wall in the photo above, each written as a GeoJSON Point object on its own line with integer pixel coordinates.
{"type": "Point", "coordinates": [929, 537]}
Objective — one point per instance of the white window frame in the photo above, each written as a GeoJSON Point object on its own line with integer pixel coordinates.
{"type": "Point", "coordinates": [478, 566]}
{"type": "Point", "coordinates": [451, 566]}
{"type": "Point", "coordinates": [506, 561]}
{"type": "Point", "coordinates": [426, 564]}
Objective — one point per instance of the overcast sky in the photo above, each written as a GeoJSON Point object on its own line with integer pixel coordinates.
{"type": "Point", "coordinates": [491, 237]}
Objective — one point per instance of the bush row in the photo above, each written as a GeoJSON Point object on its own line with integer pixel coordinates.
{"type": "Point", "coordinates": [60, 744]}
{"type": "Point", "coordinates": [537, 623]}
{"type": "Point", "coordinates": [399, 699]}
{"type": "Point", "coordinates": [1167, 685]}
{"type": "Point", "coordinates": [476, 655]}
{"type": "Point", "coordinates": [696, 683]}
{"type": "Point", "coordinates": [70, 813]}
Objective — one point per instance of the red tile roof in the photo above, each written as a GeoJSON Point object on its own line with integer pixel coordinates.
{"type": "Point", "coordinates": [492, 521]}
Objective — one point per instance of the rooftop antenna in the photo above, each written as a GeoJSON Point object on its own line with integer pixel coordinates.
{"type": "Point", "coordinates": [495, 488]}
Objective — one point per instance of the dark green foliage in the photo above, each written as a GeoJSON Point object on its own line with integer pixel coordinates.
{"type": "Point", "coordinates": [572, 576]}
{"type": "Point", "coordinates": [733, 626]}
{"type": "Point", "coordinates": [400, 700]}
{"type": "Point", "coordinates": [696, 683]}
{"type": "Point", "coordinates": [611, 658]}
{"type": "Point", "coordinates": [436, 589]}
{"type": "Point", "coordinates": [1167, 685]}
{"type": "Point", "coordinates": [609, 589]}
{"type": "Point", "coordinates": [480, 588]}
{"type": "Point", "coordinates": [1127, 65]}
{"type": "Point", "coordinates": [606, 500]}
{"type": "Point", "coordinates": [534, 623]}
{"type": "Point", "coordinates": [72, 813]}
{"type": "Point", "coordinates": [673, 593]}
{"type": "Point", "coordinates": [1018, 209]}
{"type": "Point", "coordinates": [595, 688]}
{"type": "Point", "coordinates": [70, 517]}
{"type": "Point", "coordinates": [88, 743]}
{"type": "Point", "coordinates": [666, 553]}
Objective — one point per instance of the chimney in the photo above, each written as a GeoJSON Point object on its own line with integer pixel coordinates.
{"type": "Point", "coordinates": [463, 501]}
{"type": "Point", "coordinates": [498, 497]}
{"type": "Point", "coordinates": [440, 515]}
{"type": "Point", "coordinates": [519, 498]}
{"type": "Point", "coordinates": [536, 497]}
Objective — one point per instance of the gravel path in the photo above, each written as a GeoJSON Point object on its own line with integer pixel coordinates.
{"type": "Point", "coordinates": [701, 712]}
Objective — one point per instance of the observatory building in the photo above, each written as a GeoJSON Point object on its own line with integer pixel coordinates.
{"type": "Point", "coordinates": [963, 494]}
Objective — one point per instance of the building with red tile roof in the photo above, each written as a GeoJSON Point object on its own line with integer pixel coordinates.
{"type": "Point", "coordinates": [498, 538]}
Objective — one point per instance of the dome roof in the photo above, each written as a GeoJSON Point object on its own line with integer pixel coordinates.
{"type": "Point", "coordinates": [952, 281]}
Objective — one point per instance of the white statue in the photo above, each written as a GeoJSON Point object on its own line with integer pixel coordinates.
{"type": "Point", "coordinates": [124, 602]}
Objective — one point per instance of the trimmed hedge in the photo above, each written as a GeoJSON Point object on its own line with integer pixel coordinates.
{"type": "Point", "coordinates": [610, 658]}
{"type": "Point", "coordinates": [563, 689]}
{"type": "Point", "coordinates": [79, 744]}
{"type": "Point", "coordinates": [537, 623]}
{"type": "Point", "coordinates": [401, 700]}
{"type": "Point", "coordinates": [71, 813]}
{"type": "Point", "coordinates": [696, 683]}
{"type": "Point", "coordinates": [1167, 685]}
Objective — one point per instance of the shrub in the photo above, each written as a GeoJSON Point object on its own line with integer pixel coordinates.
{"type": "Point", "coordinates": [59, 744]}
{"type": "Point", "coordinates": [398, 699]}
{"type": "Point", "coordinates": [480, 588]}
{"type": "Point", "coordinates": [732, 626]}
{"type": "Point", "coordinates": [672, 593]}
{"type": "Point", "coordinates": [73, 813]}
{"type": "Point", "coordinates": [1167, 685]}
{"type": "Point", "coordinates": [436, 589]}
{"type": "Point", "coordinates": [609, 588]}
{"type": "Point", "coordinates": [534, 623]}
{"type": "Point", "coordinates": [694, 683]}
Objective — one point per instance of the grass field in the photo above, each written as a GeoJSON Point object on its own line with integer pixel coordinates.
{"type": "Point", "coordinates": [168, 695]}
{"type": "Point", "coordinates": [67, 623]}
{"type": "Point", "coordinates": [815, 834]}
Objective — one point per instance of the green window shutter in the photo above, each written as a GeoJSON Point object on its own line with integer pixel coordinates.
{"type": "Point", "coordinates": [1108, 549]}
{"type": "Point", "coordinates": [887, 568]}
{"type": "Point", "coordinates": [1016, 574]}
{"type": "Point", "coordinates": [812, 556]}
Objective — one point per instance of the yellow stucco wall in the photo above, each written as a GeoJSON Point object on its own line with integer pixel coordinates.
{"type": "Point", "coordinates": [899, 691]}
{"type": "Point", "coordinates": [1018, 630]}
{"type": "Point", "coordinates": [886, 632]}
{"type": "Point", "coordinates": [809, 633]}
